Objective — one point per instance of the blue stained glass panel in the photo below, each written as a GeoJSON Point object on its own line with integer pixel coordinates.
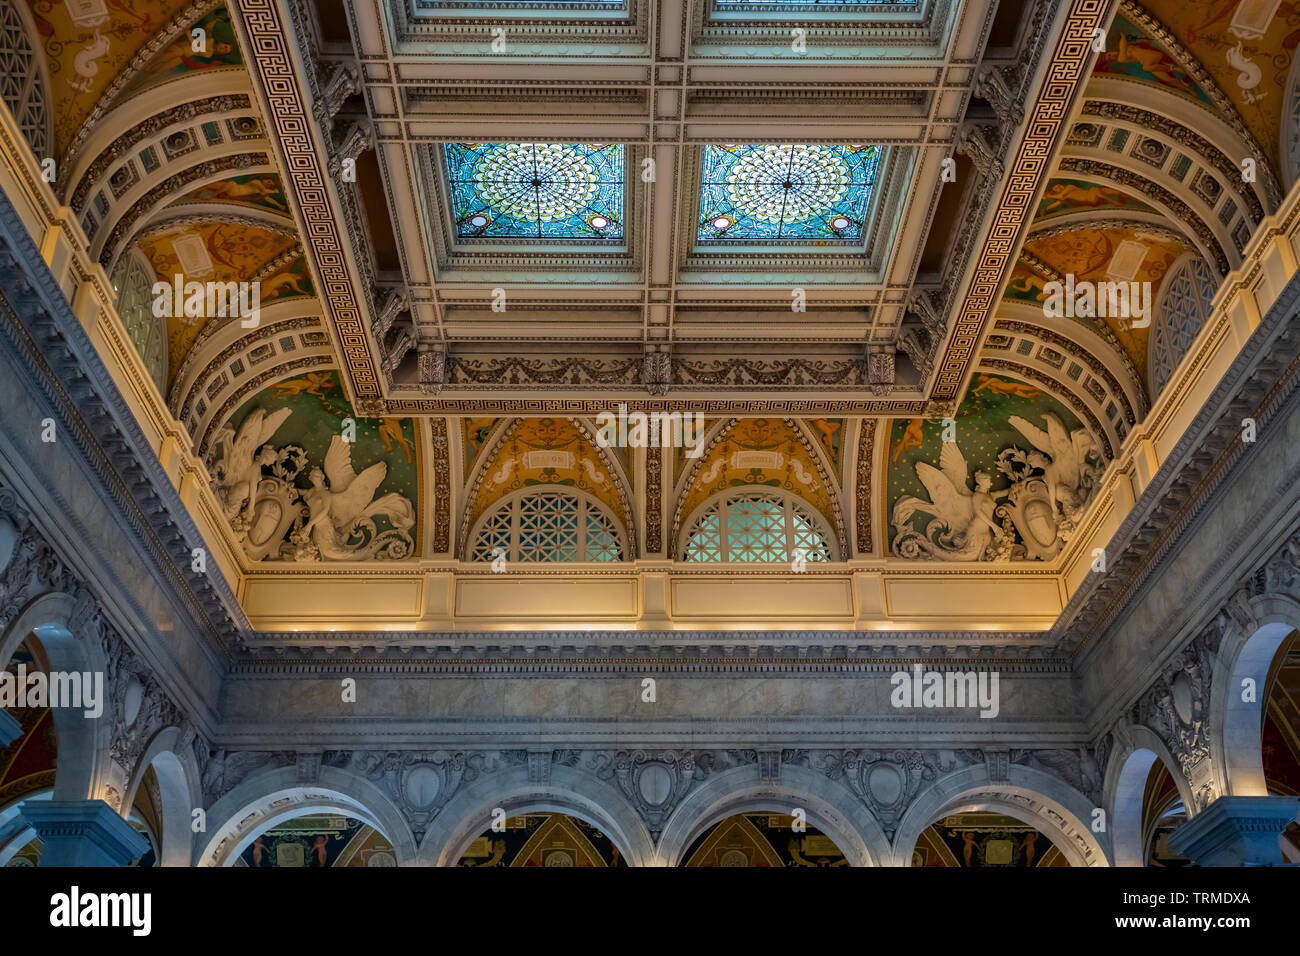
{"type": "Point", "coordinates": [536, 190]}
{"type": "Point", "coordinates": [789, 192]}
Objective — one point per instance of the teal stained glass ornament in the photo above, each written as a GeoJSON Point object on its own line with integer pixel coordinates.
{"type": "Point", "coordinates": [544, 191]}
{"type": "Point", "coordinates": [794, 193]}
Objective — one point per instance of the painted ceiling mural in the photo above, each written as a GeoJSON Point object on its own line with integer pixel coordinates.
{"type": "Point", "coordinates": [977, 840]}
{"type": "Point", "coordinates": [258, 190]}
{"type": "Point", "coordinates": [764, 840]}
{"type": "Point", "coordinates": [539, 452]}
{"type": "Point", "coordinates": [220, 50]}
{"type": "Point", "coordinates": [1132, 53]}
{"type": "Point", "coordinates": [302, 478]}
{"type": "Point", "coordinates": [318, 841]}
{"type": "Point", "coordinates": [217, 252]}
{"type": "Point", "coordinates": [761, 451]}
{"type": "Point", "coordinates": [87, 43]}
{"type": "Point", "coordinates": [746, 193]}
{"type": "Point", "coordinates": [1091, 255]}
{"type": "Point", "coordinates": [1063, 197]}
{"type": "Point", "coordinates": [1247, 47]}
{"type": "Point", "coordinates": [1005, 479]}
{"type": "Point", "coordinates": [543, 839]}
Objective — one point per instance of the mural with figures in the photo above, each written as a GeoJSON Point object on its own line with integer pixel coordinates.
{"type": "Point", "coordinates": [1130, 52]}
{"type": "Point", "coordinates": [543, 839]}
{"type": "Point", "coordinates": [977, 840]}
{"type": "Point", "coordinates": [258, 190]}
{"type": "Point", "coordinates": [316, 842]}
{"type": "Point", "coordinates": [1006, 479]}
{"type": "Point", "coordinates": [301, 478]}
{"type": "Point", "coordinates": [1090, 255]}
{"type": "Point", "coordinates": [764, 840]}
{"type": "Point", "coordinates": [219, 48]}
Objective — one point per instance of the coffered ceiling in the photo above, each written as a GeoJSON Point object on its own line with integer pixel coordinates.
{"type": "Point", "coordinates": [823, 227]}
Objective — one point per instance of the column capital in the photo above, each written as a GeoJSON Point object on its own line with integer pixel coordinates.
{"type": "Point", "coordinates": [1236, 831]}
{"type": "Point", "coordinates": [83, 833]}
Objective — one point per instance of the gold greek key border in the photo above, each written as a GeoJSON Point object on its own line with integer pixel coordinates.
{"type": "Point", "coordinates": [268, 51]}
{"type": "Point", "coordinates": [1069, 66]}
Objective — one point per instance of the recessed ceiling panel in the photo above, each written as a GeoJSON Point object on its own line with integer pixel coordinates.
{"type": "Point", "coordinates": [533, 191]}
{"type": "Point", "coordinates": [793, 193]}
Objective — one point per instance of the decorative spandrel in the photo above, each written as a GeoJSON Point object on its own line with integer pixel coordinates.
{"type": "Point", "coordinates": [565, 191]}
{"type": "Point", "coordinates": [795, 193]}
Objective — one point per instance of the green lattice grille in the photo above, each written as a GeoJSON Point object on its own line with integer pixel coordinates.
{"type": "Point", "coordinates": [757, 528]}
{"type": "Point", "coordinates": [548, 527]}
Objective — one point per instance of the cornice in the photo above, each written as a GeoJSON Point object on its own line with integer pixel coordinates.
{"type": "Point", "coordinates": [67, 371]}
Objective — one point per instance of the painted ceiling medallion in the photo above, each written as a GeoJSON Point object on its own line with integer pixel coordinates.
{"type": "Point", "coordinates": [536, 190]}
{"type": "Point", "coordinates": [801, 193]}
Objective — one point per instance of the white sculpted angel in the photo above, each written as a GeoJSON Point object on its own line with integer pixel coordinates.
{"type": "Point", "coordinates": [1065, 472]}
{"type": "Point", "coordinates": [244, 454]}
{"type": "Point", "coordinates": [964, 525]}
{"type": "Point", "coordinates": [346, 502]}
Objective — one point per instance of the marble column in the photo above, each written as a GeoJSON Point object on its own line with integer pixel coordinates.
{"type": "Point", "coordinates": [83, 833]}
{"type": "Point", "coordinates": [1236, 831]}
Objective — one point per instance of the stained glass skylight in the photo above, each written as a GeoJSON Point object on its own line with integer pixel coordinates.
{"type": "Point", "coordinates": [791, 192]}
{"type": "Point", "coordinates": [536, 190]}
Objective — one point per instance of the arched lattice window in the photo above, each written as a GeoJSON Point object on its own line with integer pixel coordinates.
{"type": "Point", "coordinates": [547, 526]}
{"type": "Point", "coordinates": [757, 525]}
{"type": "Point", "coordinates": [21, 84]}
{"type": "Point", "coordinates": [134, 281]}
{"type": "Point", "coordinates": [1184, 307]}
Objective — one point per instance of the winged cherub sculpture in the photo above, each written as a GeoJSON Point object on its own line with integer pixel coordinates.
{"type": "Point", "coordinates": [243, 455]}
{"type": "Point", "coordinates": [343, 509]}
{"type": "Point", "coordinates": [962, 525]}
{"type": "Point", "coordinates": [1068, 467]}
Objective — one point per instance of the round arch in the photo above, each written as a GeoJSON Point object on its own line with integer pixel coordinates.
{"type": "Point", "coordinates": [1031, 796]}
{"type": "Point", "coordinates": [469, 813]}
{"type": "Point", "coordinates": [268, 798]}
{"type": "Point", "coordinates": [502, 524]}
{"type": "Point", "coordinates": [831, 807]}
{"type": "Point", "coordinates": [801, 527]}
{"type": "Point", "coordinates": [82, 740]}
{"type": "Point", "coordinates": [1126, 778]}
{"type": "Point", "coordinates": [177, 773]}
{"type": "Point", "coordinates": [1235, 724]}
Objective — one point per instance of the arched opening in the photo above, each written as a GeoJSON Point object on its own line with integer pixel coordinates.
{"type": "Point", "coordinates": [542, 839]}
{"type": "Point", "coordinates": [1163, 812]}
{"type": "Point", "coordinates": [1246, 718]}
{"type": "Point", "coordinates": [1280, 735]}
{"type": "Point", "coordinates": [982, 839]}
{"type": "Point", "coordinates": [548, 525]}
{"type": "Point", "coordinates": [317, 840]}
{"type": "Point", "coordinates": [757, 525]}
{"type": "Point", "coordinates": [764, 839]}
{"type": "Point", "coordinates": [41, 650]}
